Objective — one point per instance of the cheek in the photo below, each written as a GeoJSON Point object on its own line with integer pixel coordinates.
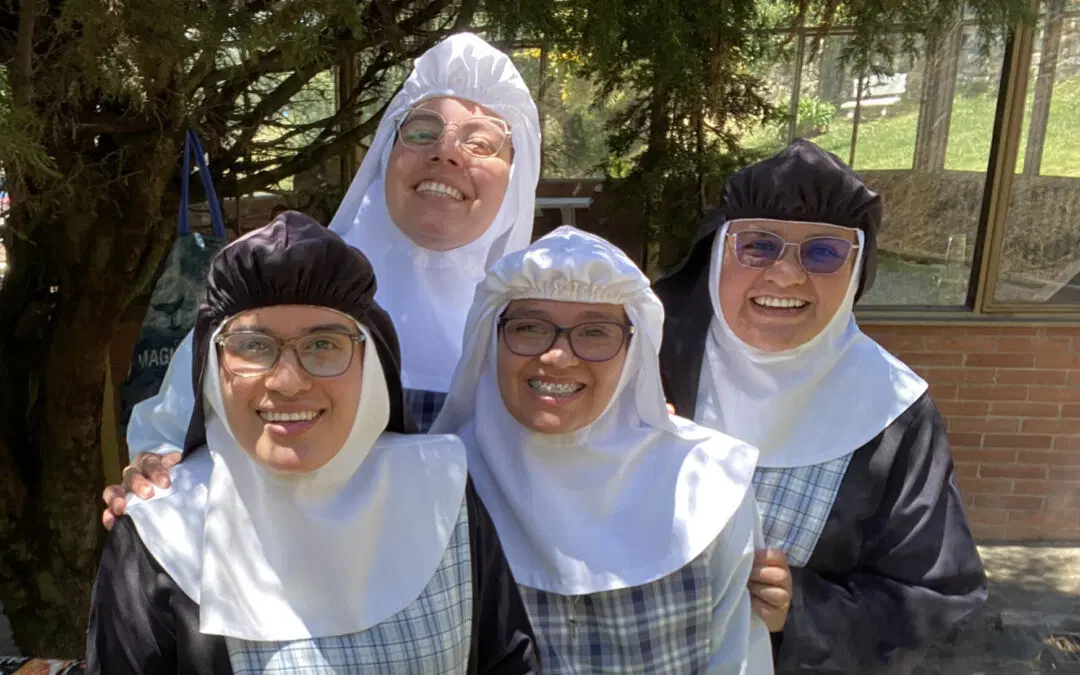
{"type": "Point", "coordinates": [492, 181]}
{"type": "Point", "coordinates": [735, 281]}
{"type": "Point", "coordinates": [237, 394]}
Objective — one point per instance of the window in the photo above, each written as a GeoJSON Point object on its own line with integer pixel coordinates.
{"type": "Point", "coordinates": [1039, 262]}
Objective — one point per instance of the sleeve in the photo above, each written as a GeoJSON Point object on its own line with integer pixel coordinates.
{"type": "Point", "coordinates": [918, 572]}
{"type": "Point", "coordinates": [502, 637]}
{"type": "Point", "coordinates": [160, 423]}
{"type": "Point", "coordinates": [740, 643]}
{"type": "Point", "coordinates": [131, 629]}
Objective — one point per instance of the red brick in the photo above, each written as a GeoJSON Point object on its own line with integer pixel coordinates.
{"type": "Point", "coordinates": [1047, 457]}
{"type": "Point", "coordinates": [1063, 501]}
{"type": "Point", "coordinates": [1011, 471]}
{"type": "Point", "coordinates": [968, 408]}
{"type": "Point", "coordinates": [965, 441]}
{"type": "Point", "coordinates": [959, 375]}
{"type": "Point", "coordinates": [1042, 377]}
{"type": "Point", "coordinates": [1071, 410]}
{"type": "Point", "coordinates": [1065, 478]}
{"type": "Point", "coordinates": [1065, 331]}
{"type": "Point", "coordinates": [1070, 361]}
{"type": "Point", "coordinates": [943, 392]}
{"type": "Point", "coordinates": [1030, 331]}
{"type": "Point", "coordinates": [1074, 378]}
{"type": "Point", "coordinates": [915, 359]}
{"type": "Point", "coordinates": [992, 393]}
{"type": "Point", "coordinates": [1026, 441]}
{"type": "Point", "coordinates": [961, 343]}
{"type": "Point", "coordinates": [966, 469]}
{"type": "Point", "coordinates": [983, 456]}
{"type": "Point", "coordinates": [1067, 443]}
{"type": "Point", "coordinates": [1040, 488]}
{"type": "Point", "coordinates": [1025, 345]}
{"type": "Point", "coordinates": [1055, 394]}
{"type": "Point", "coordinates": [987, 516]}
{"type": "Point", "coordinates": [1000, 425]}
{"type": "Point", "coordinates": [985, 486]}
{"type": "Point", "coordinates": [999, 360]}
{"type": "Point", "coordinates": [1017, 502]}
{"type": "Point", "coordinates": [1054, 518]}
{"type": "Point", "coordinates": [1019, 409]}
{"type": "Point", "coordinates": [901, 343]}
{"type": "Point", "coordinates": [1059, 426]}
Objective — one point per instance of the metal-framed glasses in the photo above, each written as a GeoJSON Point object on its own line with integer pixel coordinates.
{"type": "Point", "coordinates": [594, 341]}
{"type": "Point", "coordinates": [479, 136]}
{"type": "Point", "coordinates": [253, 353]}
{"type": "Point", "coordinates": [758, 249]}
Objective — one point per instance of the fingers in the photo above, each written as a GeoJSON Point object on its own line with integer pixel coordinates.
{"type": "Point", "coordinates": [107, 519]}
{"type": "Point", "coordinates": [778, 598]}
{"type": "Point", "coordinates": [156, 467]}
{"type": "Point", "coordinates": [115, 499]}
{"type": "Point", "coordinates": [137, 483]}
{"type": "Point", "coordinates": [670, 409]}
{"type": "Point", "coordinates": [773, 618]}
{"type": "Point", "coordinates": [772, 576]}
{"type": "Point", "coordinates": [770, 556]}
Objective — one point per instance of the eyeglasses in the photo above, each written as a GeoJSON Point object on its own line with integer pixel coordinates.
{"type": "Point", "coordinates": [251, 353]}
{"type": "Point", "coordinates": [479, 136]}
{"type": "Point", "coordinates": [595, 341]}
{"type": "Point", "coordinates": [817, 255]}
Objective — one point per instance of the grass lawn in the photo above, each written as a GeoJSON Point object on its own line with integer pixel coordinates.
{"type": "Point", "coordinates": [889, 142]}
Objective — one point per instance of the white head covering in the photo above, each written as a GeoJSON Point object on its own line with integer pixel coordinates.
{"type": "Point", "coordinates": [427, 293]}
{"type": "Point", "coordinates": [807, 405]}
{"type": "Point", "coordinates": [626, 500]}
{"type": "Point", "coordinates": [331, 552]}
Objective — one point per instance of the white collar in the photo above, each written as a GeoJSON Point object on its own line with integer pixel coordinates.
{"type": "Point", "coordinates": [629, 499]}
{"type": "Point", "coordinates": [329, 553]}
{"type": "Point", "coordinates": [807, 405]}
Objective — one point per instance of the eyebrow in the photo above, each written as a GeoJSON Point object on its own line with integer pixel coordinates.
{"type": "Point", "coordinates": [590, 315]}
{"type": "Point", "coordinates": [322, 328]}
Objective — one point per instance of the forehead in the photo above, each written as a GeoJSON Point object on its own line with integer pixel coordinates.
{"type": "Point", "coordinates": [456, 108]}
{"type": "Point", "coordinates": [290, 319]}
{"type": "Point", "coordinates": [565, 313]}
{"type": "Point", "coordinates": [792, 230]}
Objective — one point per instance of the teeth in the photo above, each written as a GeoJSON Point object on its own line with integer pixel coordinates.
{"type": "Point", "coordinates": [554, 388]}
{"type": "Point", "coordinates": [288, 417]}
{"type": "Point", "coordinates": [441, 189]}
{"type": "Point", "coordinates": [781, 303]}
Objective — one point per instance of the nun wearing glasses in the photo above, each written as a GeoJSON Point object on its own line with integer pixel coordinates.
{"type": "Point", "coordinates": [869, 556]}
{"type": "Point", "coordinates": [630, 532]}
{"type": "Point", "coordinates": [308, 528]}
{"type": "Point", "coordinates": [447, 188]}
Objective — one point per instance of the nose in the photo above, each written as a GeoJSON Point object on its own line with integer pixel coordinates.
{"type": "Point", "coordinates": [288, 377]}
{"type": "Point", "coordinates": [559, 355]}
{"type": "Point", "coordinates": [787, 271]}
{"type": "Point", "coordinates": [447, 150]}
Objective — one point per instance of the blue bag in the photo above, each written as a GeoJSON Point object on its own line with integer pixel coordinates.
{"type": "Point", "coordinates": [178, 292]}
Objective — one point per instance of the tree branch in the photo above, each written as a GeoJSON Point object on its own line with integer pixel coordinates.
{"type": "Point", "coordinates": [22, 71]}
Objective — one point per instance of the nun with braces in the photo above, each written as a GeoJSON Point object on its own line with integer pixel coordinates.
{"type": "Point", "coordinates": [308, 528]}
{"type": "Point", "coordinates": [630, 532]}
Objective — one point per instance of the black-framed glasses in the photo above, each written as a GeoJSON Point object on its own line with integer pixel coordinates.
{"type": "Point", "coordinates": [253, 353]}
{"type": "Point", "coordinates": [758, 249]}
{"type": "Point", "coordinates": [593, 341]}
{"type": "Point", "coordinates": [479, 136]}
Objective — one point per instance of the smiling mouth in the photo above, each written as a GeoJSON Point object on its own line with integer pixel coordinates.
{"type": "Point", "coordinates": [279, 417]}
{"type": "Point", "coordinates": [441, 189]}
{"type": "Point", "coordinates": [774, 303]}
{"type": "Point", "coordinates": [555, 389]}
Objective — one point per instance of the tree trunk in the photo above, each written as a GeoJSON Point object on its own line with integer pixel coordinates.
{"type": "Point", "coordinates": [66, 290]}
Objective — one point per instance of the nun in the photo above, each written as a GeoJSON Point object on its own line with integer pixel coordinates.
{"type": "Point", "coordinates": [447, 187]}
{"type": "Point", "coordinates": [866, 533]}
{"type": "Point", "coordinates": [308, 528]}
{"type": "Point", "coordinates": [630, 532]}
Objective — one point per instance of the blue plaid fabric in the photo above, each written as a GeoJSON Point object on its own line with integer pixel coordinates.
{"type": "Point", "coordinates": [660, 627]}
{"type": "Point", "coordinates": [795, 503]}
{"type": "Point", "coordinates": [429, 637]}
{"type": "Point", "coordinates": [424, 406]}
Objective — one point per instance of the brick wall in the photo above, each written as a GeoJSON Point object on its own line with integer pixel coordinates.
{"type": "Point", "coordinates": [1010, 396]}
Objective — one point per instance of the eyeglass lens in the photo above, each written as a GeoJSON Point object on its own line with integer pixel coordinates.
{"type": "Point", "coordinates": [479, 136]}
{"type": "Point", "coordinates": [321, 354]}
{"type": "Point", "coordinates": [818, 255]}
{"type": "Point", "coordinates": [597, 341]}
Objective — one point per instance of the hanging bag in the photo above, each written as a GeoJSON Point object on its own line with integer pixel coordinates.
{"type": "Point", "coordinates": [178, 291]}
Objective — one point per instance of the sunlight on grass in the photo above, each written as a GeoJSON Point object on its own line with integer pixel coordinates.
{"type": "Point", "coordinates": [889, 142]}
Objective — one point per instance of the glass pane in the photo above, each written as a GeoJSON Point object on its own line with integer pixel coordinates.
{"type": "Point", "coordinates": [1040, 261]}
{"type": "Point", "coordinates": [927, 240]}
{"type": "Point", "coordinates": [826, 98]}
